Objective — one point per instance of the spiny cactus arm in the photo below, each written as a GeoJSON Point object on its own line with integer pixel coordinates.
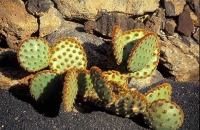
{"type": "Point", "coordinates": [70, 89]}
{"type": "Point", "coordinates": [149, 68]}
{"type": "Point", "coordinates": [43, 85]}
{"type": "Point", "coordinates": [117, 44]}
{"type": "Point", "coordinates": [33, 54]}
{"type": "Point", "coordinates": [142, 52]}
{"type": "Point", "coordinates": [162, 91]}
{"type": "Point", "coordinates": [163, 114]}
{"type": "Point", "coordinates": [67, 53]}
{"type": "Point", "coordinates": [101, 85]}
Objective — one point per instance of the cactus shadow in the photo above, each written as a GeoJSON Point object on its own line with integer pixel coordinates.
{"type": "Point", "coordinates": [48, 109]}
{"type": "Point", "coordinates": [99, 55]}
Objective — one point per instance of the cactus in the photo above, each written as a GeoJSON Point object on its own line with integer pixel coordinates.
{"type": "Point", "coordinates": [142, 52]}
{"type": "Point", "coordinates": [101, 85]}
{"type": "Point", "coordinates": [129, 103]}
{"type": "Point", "coordinates": [44, 85]}
{"type": "Point", "coordinates": [163, 114]}
{"type": "Point", "coordinates": [70, 89]}
{"type": "Point", "coordinates": [67, 53]}
{"type": "Point", "coordinates": [162, 91]}
{"type": "Point", "coordinates": [123, 42]}
{"type": "Point", "coordinates": [33, 54]}
{"type": "Point", "coordinates": [149, 68]}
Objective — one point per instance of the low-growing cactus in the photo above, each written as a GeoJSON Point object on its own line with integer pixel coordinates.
{"type": "Point", "coordinates": [163, 114]}
{"type": "Point", "coordinates": [136, 53]}
{"type": "Point", "coordinates": [33, 54]}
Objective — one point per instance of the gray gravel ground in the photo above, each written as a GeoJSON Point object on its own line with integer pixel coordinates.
{"type": "Point", "coordinates": [19, 112]}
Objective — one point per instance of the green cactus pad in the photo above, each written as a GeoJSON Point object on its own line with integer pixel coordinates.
{"type": "Point", "coordinates": [149, 68]}
{"type": "Point", "coordinates": [115, 76]}
{"type": "Point", "coordinates": [33, 54]}
{"type": "Point", "coordinates": [85, 84]}
{"type": "Point", "coordinates": [162, 91]}
{"type": "Point", "coordinates": [44, 85]}
{"type": "Point", "coordinates": [130, 38]}
{"type": "Point", "coordinates": [123, 43]}
{"type": "Point", "coordinates": [101, 85]}
{"type": "Point", "coordinates": [67, 53]}
{"type": "Point", "coordinates": [70, 89]}
{"type": "Point", "coordinates": [142, 52]}
{"type": "Point", "coordinates": [130, 103]}
{"type": "Point", "coordinates": [117, 44]}
{"type": "Point", "coordinates": [162, 114]}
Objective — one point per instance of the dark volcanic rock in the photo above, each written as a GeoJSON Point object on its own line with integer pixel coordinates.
{"type": "Point", "coordinates": [38, 7]}
{"type": "Point", "coordinates": [106, 22]}
{"type": "Point", "coordinates": [170, 27]}
{"type": "Point", "coordinates": [185, 23]}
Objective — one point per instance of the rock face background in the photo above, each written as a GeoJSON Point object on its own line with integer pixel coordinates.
{"type": "Point", "coordinates": [176, 22]}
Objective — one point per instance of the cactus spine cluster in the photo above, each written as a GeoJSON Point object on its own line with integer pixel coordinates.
{"type": "Point", "coordinates": [136, 53]}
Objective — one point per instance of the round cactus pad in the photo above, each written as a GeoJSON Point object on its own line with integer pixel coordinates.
{"type": "Point", "coordinates": [149, 68]}
{"type": "Point", "coordinates": [67, 53]}
{"type": "Point", "coordinates": [142, 52]}
{"type": "Point", "coordinates": [33, 54]}
{"type": "Point", "coordinates": [162, 114]}
{"type": "Point", "coordinates": [44, 85]}
{"type": "Point", "coordinates": [70, 89]}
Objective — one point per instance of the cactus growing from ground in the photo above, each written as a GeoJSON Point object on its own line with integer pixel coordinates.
{"type": "Point", "coordinates": [135, 50]}
{"type": "Point", "coordinates": [163, 114]}
{"type": "Point", "coordinates": [33, 54]}
{"type": "Point", "coordinates": [67, 53]}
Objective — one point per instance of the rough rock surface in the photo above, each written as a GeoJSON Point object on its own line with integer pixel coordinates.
{"type": "Point", "coordinates": [180, 57]}
{"type": "Point", "coordinates": [86, 9]}
{"type": "Point", "coordinates": [50, 22]}
{"type": "Point", "coordinates": [170, 26]}
{"type": "Point", "coordinates": [15, 22]}
{"type": "Point", "coordinates": [174, 7]}
{"type": "Point", "coordinates": [185, 23]}
{"type": "Point", "coordinates": [38, 7]}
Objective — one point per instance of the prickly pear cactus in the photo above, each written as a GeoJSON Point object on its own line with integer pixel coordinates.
{"type": "Point", "coordinates": [162, 91]}
{"type": "Point", "coordinates": [33, 54]}
{"type": "Point", "coordinates": [142, 52]}
{"type": "Point", "coordinates": [163, 114]}
{"type": "Point", "coordinates": [149, 68]}
{"type": "Point", "coordinates": [70, 89]}
{"type": "Point", "coordinates": [123, 42]}
{"type": "Point", "coordinates": [128, 103]}
{"type": "Point", "coordinates": [67, 53]}
{"type": "Point", "coordinates": [115, 76]}
{"type": "Point", "coordinates": [44, 85]}
{"type": "Point", "coordinates": [101, 85]}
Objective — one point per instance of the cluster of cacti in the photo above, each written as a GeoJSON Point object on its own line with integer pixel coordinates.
{"type": "Point", "coordinates": [136, 50]}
